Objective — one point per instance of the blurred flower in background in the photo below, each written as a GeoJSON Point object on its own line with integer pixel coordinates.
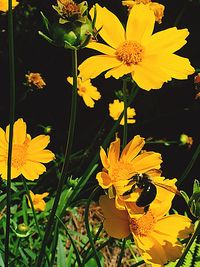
{"type": "Point", "coordinates": [35, 79]}
{"type": "Point", "coordinates": [38, 201]}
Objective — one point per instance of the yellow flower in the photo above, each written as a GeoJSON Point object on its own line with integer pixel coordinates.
{"type": "Point", "coordinates": [150, 59]}
{"type": "Point", "coordinates": [117, 107]}
{"type": "Point", "coordinates": [186, 140]}
{"type": "Point", "coordinates": [154, 233]}
{"type": "Point", "coordinates": [35, 78]}
{"type": "Point", "coordinates": [4, 5]}
{"type": "Point", "coordinates": [157, 8]}
{"type": "Point", "coordinates": [117, 170]}
{"type": "Point", "coordinates": [38, 201]}
{"type": "Point", "coordinates": [87, 91]}
{"type": "Point", "coordinates": [27, 154]}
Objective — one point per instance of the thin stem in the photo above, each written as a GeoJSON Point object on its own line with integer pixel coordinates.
{"type": "Point", "coordinates": [190, 165]}
{"type": "Point", "coordinates": [178, 18]}
{"type": "Point", "coordinates": [125, 112]}
{"type": "Point", "coordinates": [121, 253]}
{"type": "Point", "coordinates": [189, 244]}
{"type": "Point", "coordinates": [87, 226]}
{"type": "Point", "coordinates": [12, 117]}
{"type": "Point", "coordinates": [66, 160]}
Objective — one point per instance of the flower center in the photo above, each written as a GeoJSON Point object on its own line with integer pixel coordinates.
{"type": "Point", "coordinates": [142, 1]}
{"type": "Point", "coordinates": [143, 225]}
{"type": "Point", "coordinates": [19, 155]}
{"type": "Point", "coordinates": [130, 52]}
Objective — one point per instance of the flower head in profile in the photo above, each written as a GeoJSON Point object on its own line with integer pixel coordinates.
{"type": "Point", "coordinates": [4, 5]}
{"type": "Point", "coordinates": [28, 155]}
{"type": "Point", "coordinates": [148, 57]}
{"type": "Point", "coordinates": [156, 241]}
{"type": "Point", "coordinates": [35, 78]}
{"type": "Point", "coordinates": [117, 107]}
{"type": "Point", "coordinates": [38, 201]}
{"type": "Point", "coordinates": [119, 169]}
{"type": "Point", "coordinates": [87, 91]}
{"type": "Point", "coordinates": [157, 8]}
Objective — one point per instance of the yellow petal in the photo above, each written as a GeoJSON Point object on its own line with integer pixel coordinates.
{"type": "Point", "coordinates": [147, 161]}
{"type": "Point", "coordinates": [38, 143]}
{"type": "Point", "coordinates": [119, 71]}
{"type": "Point", "coordinates": [167, 41]}
{"type": "Point", "coordinates": [116, 221]}
{"type": "Point", "coordinates": [3, 171]}
{"type": "Point", "coordinates": [113, 152]}
{"type": "Point", "coordinates": [177, 67]}
{"type": "Point", "coordinates": [104, 158]}
{"type": "Point", "coordinates": [181, 226]}
{"type": "Point", "coordinates": [43, 156]}
{"type": "Point", "coordinates": [88, 101]}
{"type": "Point", "coordinates": [105, 49]}
{"type": "Point", "coordinates": [32, 170]}
{"type": "Point", "coordinates": [70, 80]}
{"type": "Point", "coordinates": [3, 141]}
{"type": "Point", "coordinates": [112, 30]}
{"type": "Point", "coordinates": [104, 179]}
{"type": "Point", "coordinates": [132, 149]}
{"type": "Point", "coordinates": [93, 66]}
{"type": "Point", "coordinates": [19, 132]}
{"type": "Point", "coordinates": [140, 24]}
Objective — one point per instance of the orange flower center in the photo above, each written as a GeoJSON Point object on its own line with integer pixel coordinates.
{"type": "Point", "coordinates": [142, 1]}
{"type": "Point", "coordinates": [130, 52]}
{"type": "Point", "coordinates": [143, 225]}
{"type": "Point", "coordinates": [19, 153]}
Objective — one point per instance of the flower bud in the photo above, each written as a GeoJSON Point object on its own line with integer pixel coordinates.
{"type": "Point", "coordinates": [22, 230]}
{"type": "Point", "coordinates": [71, 28]}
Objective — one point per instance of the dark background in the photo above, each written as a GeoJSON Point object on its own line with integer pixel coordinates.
{"type": "Point", "coordinates": [164, 113]}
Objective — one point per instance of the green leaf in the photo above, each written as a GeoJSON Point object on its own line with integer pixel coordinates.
{"type": "Point", "coordinates": [61, 253]}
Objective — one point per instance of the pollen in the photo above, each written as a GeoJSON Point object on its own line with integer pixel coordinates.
{"type": "Point", "coordinates": [143, 225]}
{"type": "Point", "coordinates": [19, 153]}
{"type": "Point", "coordinates": [69, 8]}
{"type": "Point", "coordinates": [130, 52]}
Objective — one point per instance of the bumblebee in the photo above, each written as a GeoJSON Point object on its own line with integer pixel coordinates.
{"type": "Point", "coordinates": [144, 182]}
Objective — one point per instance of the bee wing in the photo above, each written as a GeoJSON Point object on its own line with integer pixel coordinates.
{"type": "Point", "coordinates": [168, 188]}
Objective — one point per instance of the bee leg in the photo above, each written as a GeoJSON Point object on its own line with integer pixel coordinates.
{"type": "Point", "coordinates": [128, 192]}
{"type": "Point", "coordinates": [146, 208]}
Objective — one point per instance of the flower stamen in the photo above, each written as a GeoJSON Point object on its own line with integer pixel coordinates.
{"type": "Point", "coordinates": [130, 52]}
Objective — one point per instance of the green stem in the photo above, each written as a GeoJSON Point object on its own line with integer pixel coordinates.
{"type": "Point", "coordinates": [125, 112]}
{"type": "Point", "coordinates": [34, 214]}
{"type": "Point", "coordinates": [178, 18]}
{"type": "Point", "coordinates": [66, 160]}
{"type": "Point", "coordinates": [121, 253]}
{"type": "Point", "coordinates": [189, 166]}
{"type": "Point", "coordinates": [189, 244]}
{"type": "Point", "coordinates": [12, 117]}
{"type": "Point", "coordinates": [87, 226]}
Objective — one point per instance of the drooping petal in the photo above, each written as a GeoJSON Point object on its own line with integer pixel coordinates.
{"type": "Point", "coordinates": [181, 226]}
{"type": "Point", "coordinates": [105, 49]}
{"type": "Point", "coordinates": [19, 132]}
{"type": "Point", "coordinates": [119, 71]}
{"type": "Point", "coordinates": [140, 24]}
{"type": "Point", "coordinates": [104, 179]}
{"type": "Point", "coordinates": [116, 221]}
{"type": "Point", "coordinates": [95, 65]}
{"type": "Point", "coordinates": [38, 143]}
{"type": "Point", "coordinates": [147, 161]}
{"type": "Point", "coordinates": [167, 41]}
{"type": "Point", "coordinates": [132, 149]}
{"type": "Point", "coordinates": [32, 170]}
{"type": "Point", "coordinates": [43, 156]}
{"type": "Point", "coordinates": [112, 30]}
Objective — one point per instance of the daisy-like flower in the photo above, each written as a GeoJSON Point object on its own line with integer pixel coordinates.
{"type": "Point", "coordinates": [157, 8]}
{"type": "Point", "coordinates": [27, 154]}
{"type": "Point", "coordinates": [38, 201]}
{"type": "Point", "coordinates": [4, 5]}
{"type": "Point", "coordinates": [35, 78]}
{"type": "Point", "coordinates": [117, 107]}
{"type": "Point", "coordinates": [149, 58]}
{"type": "Point", "coordinates": [156, 241]}
{"type": "Point", "coordinates": [87, 91]}
{"type": "Point", "coordinates": [119, 169]}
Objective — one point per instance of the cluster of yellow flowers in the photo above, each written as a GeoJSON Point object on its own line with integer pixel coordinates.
{"type": "Point", "coordinates": [138, 201]}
